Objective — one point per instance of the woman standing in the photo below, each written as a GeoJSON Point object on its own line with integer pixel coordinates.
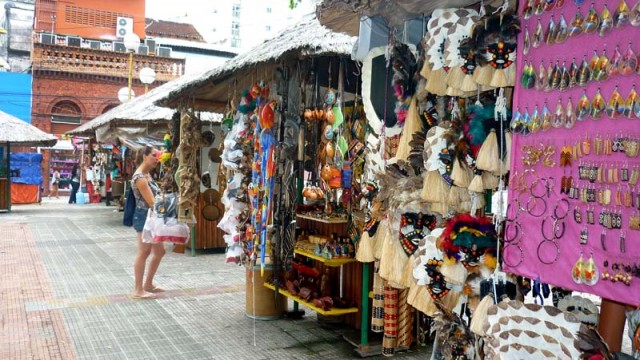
{"type": "Point", "coordinates": [55, 184]}
{"type": "Point", "coordinates": [75, 184]}
{"type": "Point", "coordinates": [144, 190]}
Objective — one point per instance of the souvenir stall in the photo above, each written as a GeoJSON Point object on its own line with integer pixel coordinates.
{"type": "Point", "coordinates": [291, 153]}
{"type": "Point", "coordinates": [63, 157]}
{"type": "Point", "coordinates": [457, 185]}
{"type": "Point", "coordinates": [15, 133]}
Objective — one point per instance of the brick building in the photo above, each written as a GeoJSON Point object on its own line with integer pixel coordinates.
{"type": "Point", "coordinates": [79, 63]}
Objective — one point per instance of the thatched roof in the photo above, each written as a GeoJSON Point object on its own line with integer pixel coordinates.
{"type": "Point", "coordinates": [140, 111]}
{"type": "Point", "coordinates": [306, 39]}
{"type": "Point", "coordinates": [17, 132]}
{"type": "Point", "coordinates": [344, 15]}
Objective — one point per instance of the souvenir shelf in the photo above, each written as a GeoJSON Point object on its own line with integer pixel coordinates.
{"type": "Point", "coordinates": [332, 312]}
{"type": "Point", "coordinates": [336, 262]}
{"type": "Point", "coordinates": [330, 220]}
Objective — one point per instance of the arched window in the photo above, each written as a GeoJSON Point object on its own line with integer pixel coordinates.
{"type": "Point", "coordinates": [109, 107]}
{"type": "Point", "coordinates": [66, 112]}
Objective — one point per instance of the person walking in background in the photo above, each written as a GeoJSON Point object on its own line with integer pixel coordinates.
{"type": "Point", "coordinates": [144, 190]}
{"type": "Point", "coordinates": [75, 184]}
{"type": "Point", "coordinates": [55, 184]}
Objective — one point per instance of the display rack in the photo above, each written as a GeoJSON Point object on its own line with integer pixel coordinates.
{"type": "Point", "coordinates": [332, 312]}
{"type": "Point", "coordinates": [330, 220]}
{"type": "Point", "coordinates": [336, 262]}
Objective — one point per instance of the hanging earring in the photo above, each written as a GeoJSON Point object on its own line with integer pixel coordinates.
{"type": "Point", "coordinates": [516, 122]}
{"type": "Point", "coordinates": [526, 121]}
{"type": "Point", "coordinates": [577, 25]}
{"type": "Point", "coordinates": [528, 10]}
{"type": "Point", "coordinates": [562, 31]}
{"type": "Point", "coordinates": [583, 108]}
{"type": "Point", "coordinates": [565, 77]}
{"type": "Point", "coordinates": [629, 62]}
{"type": "Point", "coordinates": [536, 121]}
{"type": "Point", "coordinates": [634, 17]}
{"type": "Point", "coordinates": [526, 42]}
{"type": "Point", "coordinates": [615, 106]}
{"type": "Point", "coordinates": [550, 35]}
{"type": "Point", "coordinates": [573, 74]}
{"type": "Point", "coordinates": [600, 73]}
{"type": "Point", "coordinates": [559, 117]}
{"type": "Point", "coordinates": [613, 68]}
{"type": "Point", "coordinates": [570, 118]}
{"type": "Point", "coordinates": [541, 77]}
{"type": "Point", "coordinates": [621, 16]}
{"type": "Point", "coordinates": [528, 78]}
{"type": "Point", "coordinates": [631, 103]}
{"type": "Point", "coordinates": [538, 7]}
{"type": "Point", "coordinates": [546, 117]}
{"type": "Point", "coordinates": [584, 72]}
{"type": "Point", "coordinates": [606, 22]}
{"type": "Point", "coordinates": [556, 76]}
{"type": "Point", "coordinates": [537, 36]}
{"type": "Point", "coordinates": [577, 270]}
{"type": "Point", "coordinates": [605, 273]}
{"type": "Point", "coordinates": [591, 274]}
{"type": "Point", "coordinates": [592, 21]}
{"type": "Point", "coordinates": [597, 106]}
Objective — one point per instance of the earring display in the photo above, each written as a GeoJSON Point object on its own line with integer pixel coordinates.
{"type": "Point", "coordinates": [578, 100]}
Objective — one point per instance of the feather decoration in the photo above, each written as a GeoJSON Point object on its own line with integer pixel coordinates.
{"type": "Point", "coordinates": [591, 344]}
{"type": "Point", "coordinates": [454, 338]}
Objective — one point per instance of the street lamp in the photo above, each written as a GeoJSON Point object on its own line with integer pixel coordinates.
{"type": "Point", "coordinates": [125, 94]}
{"type": "Point", "coordinates": [147, 77]}
{"type": "Point", "coordinates": [131, 43]}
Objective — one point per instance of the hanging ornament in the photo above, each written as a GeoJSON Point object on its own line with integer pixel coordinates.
{"type": "Point", "coordinates": [571, 115]}
{"type": "Point", "coordinates": [550, 35]}
{"type": "Point", "coordinates": [549, 5]}
{"type": "Point", "coordinates": [597, 106]}
{"type": "Point", "coordinates": [526, 42]}
{"type": "Point", "coordinates": [600, 73]}
{"type": "Point", "coordinates": [634, 17]}
{"type": "Point", "coordinates": [559, 4]}
{"type": "Point", "coordinates": [555, 76]}
{"type": "Point", "coordinates": [573, 74]}
{"type": "Point", "coordinates": [613, 68]}
{"type": "Point", "coordinates": [590, 272]}
{"type": "Point", "coordinates": [559, 116]}
{"type": "Point", "coordinates": [631, 103]}
{"type": "Point", "coordinates": [541, 77]}
{"type": "Point", "coordinates": [606, 22]}
{"type": "Point", "coordinates": [583, 107]}
{"type": "Point", "coordinates": [616, 105]}
{"type": "Point", "coordinates": [565, 77]}
{"type": "Point", "coordinates": [562, 31]}
{"type": "Point", "coordinates": [516, 122]}
{"type": "Point", "coordinates": [528, 10]}
{"type": "Point", "coordinates": [629, 62]}
{"type": "Point", "coordinates": [584, 73]}
{"type": "Point", "coordinates": [546, 118]}
{"type": "Point", "coordinates": [537, 35]}
{"type": "Point", "coordinates": [577, 270]}
{"type": "Point", "coordinates": [592, 21]}
{"type": "Point", "coordinates": [621, 16]}
{"type": "Point", "coordinates": [536, 121]}
{"type": "Point", "coordinates": [528, 78]}
{"type": "Point", "coordinates": [526, 122]}
{"type": "Point", "coordinates": [538, 7]}
{"type": "Point", "coordinates": [577, 25]}
{"type": "Point", "coordinates": [550, 69]}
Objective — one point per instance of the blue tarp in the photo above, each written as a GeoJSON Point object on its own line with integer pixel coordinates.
{"type": "Point", "coordinates": [15, 95]}
{"type": "Point", "coordinates": [28, 166]}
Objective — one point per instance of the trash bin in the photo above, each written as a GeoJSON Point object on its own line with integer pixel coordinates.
{"type": "Point", "coordinates": [261, 301]}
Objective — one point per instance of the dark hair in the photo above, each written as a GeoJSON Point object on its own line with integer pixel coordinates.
{"type": "Point", "coordinates": [74, 171]}
{"type": "Point", "coordinates": [146, 151]}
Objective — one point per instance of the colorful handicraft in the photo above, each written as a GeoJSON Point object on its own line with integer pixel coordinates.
{"type": "Point", "coordinates": [414, 227]}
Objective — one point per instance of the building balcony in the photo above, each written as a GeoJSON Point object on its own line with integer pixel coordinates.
{"type": "Point", "coordinates": [77, 60]}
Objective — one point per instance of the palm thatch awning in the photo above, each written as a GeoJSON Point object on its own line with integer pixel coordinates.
{"type": "Point", "coordinates": [304, 40]}
{"type": "Point", "coordinates": [139, 111]}
{"type": "Point", "coordinates": [344, 15]}
{"type": "Point", "coordinates": [17, 132]}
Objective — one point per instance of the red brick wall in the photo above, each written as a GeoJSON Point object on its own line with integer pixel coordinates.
{"type": "Point", "coordinates": [91, 94]}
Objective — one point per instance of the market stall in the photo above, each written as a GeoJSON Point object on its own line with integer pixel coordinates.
{"type": "Point", "coordinates": [15, 132]}
{"type": "Point", "coordinates": [293, 134]}
{"type": "Point", "coordinates": [120, 132]}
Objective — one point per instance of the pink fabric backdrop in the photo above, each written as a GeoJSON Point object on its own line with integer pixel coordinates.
{"type": "Point", "coordinates": [559, 273]}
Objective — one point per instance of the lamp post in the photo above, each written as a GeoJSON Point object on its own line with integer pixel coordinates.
{"type": "Point", "coordinates": [147, 77]}
{"type": "Point", "coordinates": [131, 43]}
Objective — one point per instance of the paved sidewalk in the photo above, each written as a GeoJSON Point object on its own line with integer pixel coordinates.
{"type": "Point", "coordinates": [64, 294]}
